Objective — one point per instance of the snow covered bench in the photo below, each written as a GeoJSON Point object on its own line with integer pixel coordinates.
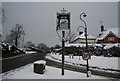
{"type": "Point", "coordinates": [39, 66]}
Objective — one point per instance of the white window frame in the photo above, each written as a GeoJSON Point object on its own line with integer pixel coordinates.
{"type": "Point", "coordinates": [111, 38]}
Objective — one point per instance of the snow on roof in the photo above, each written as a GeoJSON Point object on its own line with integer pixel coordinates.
{"type": "Point", "coordinates": [82, 36]}
{"type": "Point", "coordinates": [81, 45]}
{"type": "Point", "coordinates": [40, 62]}
{"type": "Point", "coordinates": [106, 32]}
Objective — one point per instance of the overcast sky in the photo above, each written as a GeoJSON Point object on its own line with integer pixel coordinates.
{"type": "Point", "coordinates": [39, 18]}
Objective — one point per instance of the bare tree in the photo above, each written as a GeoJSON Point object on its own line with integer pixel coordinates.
{"type": "Point", "coordinates": [29, 44]}
{"type": "Point", "coordinates": [9, 39]}
{"type": "Point", "coordinates": [70, 36]}
{"type": "Point", "coordinates": [57, 46]}
{"type": "Point", "coordinates": [17, 34]}
{"type": "Point", "coordinates": [1, 14]}
{"type": "Point", "coordinates": [43, 46]}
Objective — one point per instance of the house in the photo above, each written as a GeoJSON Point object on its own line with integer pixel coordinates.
{"type": "Point", "coordinates": [108, 36]}
{"type": "Point", "coordinates": [82, 39]}
{"type": "Point", "coordinates": [78, 44]}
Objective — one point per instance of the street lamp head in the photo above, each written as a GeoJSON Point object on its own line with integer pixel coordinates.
{"type": "Point", "coordinates": [84, 15]}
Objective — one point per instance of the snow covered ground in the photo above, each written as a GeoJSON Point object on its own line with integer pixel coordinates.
{"type": "Point", "coordinates": [26, 72]}
{"type": "Point", "coordinates": [95, 61]}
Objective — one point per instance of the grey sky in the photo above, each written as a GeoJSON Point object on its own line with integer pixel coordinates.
{"type": "Point", "coordinates": [39, 18]}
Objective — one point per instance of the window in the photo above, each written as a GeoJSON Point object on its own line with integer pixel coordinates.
{"type": "Point", "coordinates": [110, 38]}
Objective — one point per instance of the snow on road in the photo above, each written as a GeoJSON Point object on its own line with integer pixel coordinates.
{"type": "Point", "coordinates": [26, 72]}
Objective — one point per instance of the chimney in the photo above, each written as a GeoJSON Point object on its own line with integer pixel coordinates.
{"type": "Point", "coordinates": [80, 32]}
{"type": "Point", "coordinates": [102, 28]}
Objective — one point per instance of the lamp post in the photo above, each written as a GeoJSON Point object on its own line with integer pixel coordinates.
{"type": "Point", "coordinates": [85, 30]}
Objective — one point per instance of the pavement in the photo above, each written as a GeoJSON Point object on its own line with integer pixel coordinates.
{"type": "Point", "coordinates": [82, 69]}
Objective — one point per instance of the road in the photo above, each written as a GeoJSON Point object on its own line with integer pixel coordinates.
{"type": "Point", "coordinates": [15, 62]}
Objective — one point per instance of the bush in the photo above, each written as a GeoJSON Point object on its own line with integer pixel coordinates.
{"type": "Point", "coordinates": [115, 51]}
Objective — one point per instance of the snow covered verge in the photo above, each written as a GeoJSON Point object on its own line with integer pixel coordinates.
{"type": "Point", "coordinates": [30, 52]}
{"type": "Point", "coordinates": [109, 64]}
{"type": "Point", "coordinates": [26, 72]}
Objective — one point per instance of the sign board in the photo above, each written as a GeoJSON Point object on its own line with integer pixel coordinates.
{"type": "Point", "coordinates": [86, 55]}
{"type": "Point", "coordinates": [63, 21]}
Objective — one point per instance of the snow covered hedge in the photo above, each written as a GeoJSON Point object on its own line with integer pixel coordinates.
{"type": "Point", "coordinates": [113, 51]}
{"type": "Point", "coordinates": [106, 50]}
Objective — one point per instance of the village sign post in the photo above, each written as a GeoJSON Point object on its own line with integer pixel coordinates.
{"type": "Point", "coordinates": [63, 24]}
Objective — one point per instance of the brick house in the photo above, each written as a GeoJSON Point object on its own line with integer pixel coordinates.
{"type": "Point", "coordinates": [108, 36]}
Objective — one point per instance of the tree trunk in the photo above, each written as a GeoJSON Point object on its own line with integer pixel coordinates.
{"type": "Point", "coordinates": [16, 41]}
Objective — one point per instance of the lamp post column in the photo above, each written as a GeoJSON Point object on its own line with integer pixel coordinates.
{"type": "Point", "coordinates": [85, 30]}
{"type": "Point", "coordinates": [63, 50]}
{"type": "Point", "coordinates": [86, 50]}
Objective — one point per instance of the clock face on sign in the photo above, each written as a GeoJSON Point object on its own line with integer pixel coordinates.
{"type": "Point", "coordinates": [63, 24]}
